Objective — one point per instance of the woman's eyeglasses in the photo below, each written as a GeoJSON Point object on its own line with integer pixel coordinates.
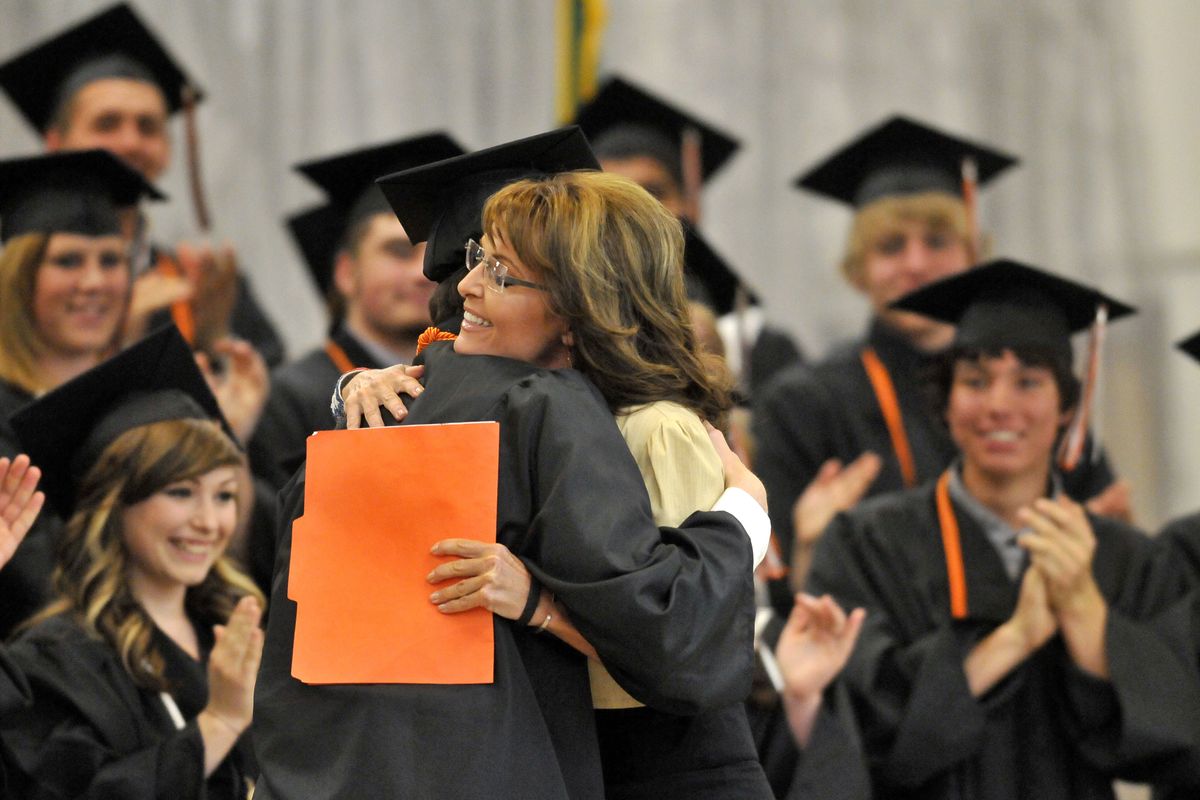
{"type": "Point", "coordinates": [496, 272]}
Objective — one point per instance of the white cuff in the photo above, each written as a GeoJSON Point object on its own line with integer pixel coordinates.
{"type": "Point", "coordinates": [750, 514]}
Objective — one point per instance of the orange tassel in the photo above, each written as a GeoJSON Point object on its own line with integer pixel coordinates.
{"type": "Point", "coordinates": [431, 335]}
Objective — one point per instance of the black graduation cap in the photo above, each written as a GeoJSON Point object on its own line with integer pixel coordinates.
{"type": "Point", "coordinates": [442, 203]}
{"type": "Point", "coordinates": [318, 232]}
{"type": "Point", "coordinates": [1191, 345]}
{"type": "Point", "coordinates": [704, 266]}
{"type": "Point", "coordinates": [66, 430]}
{"type": "Point", "coordinates": [112, 44]}
{"type": "Point", "coordinates": [1005, 304]}
{"type": "Point", "coordinates": [74, 192]}
{"type": "Point", "coordinates": [348, 180]}
{"type": "Point", "coordinates": [900, 156]}
{"type": "Point", "coordinates": [620, 106]}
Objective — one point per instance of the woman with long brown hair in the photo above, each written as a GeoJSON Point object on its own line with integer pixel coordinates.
{"type": "Point", "coordinates": [142, 667]}
{"type": "Point", "coordinates": [584, 270]}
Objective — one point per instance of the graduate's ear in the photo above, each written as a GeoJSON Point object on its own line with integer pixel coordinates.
{"type": "Point", "coordinates": [343, 273]}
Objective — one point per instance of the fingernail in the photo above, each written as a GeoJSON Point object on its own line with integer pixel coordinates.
{"type": "Point", "coordinates": [436, 597]}
{"type": "Point", "coordinates": [429, 577]}
{"type": "Point", "coordinates": [437, 548]}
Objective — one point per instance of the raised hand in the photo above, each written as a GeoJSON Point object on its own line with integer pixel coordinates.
{"type": "Point", "coordinates": [19, 502]}
{"type": "Point", "coordinates": [233, 666]}
{"type": "Point", "coordinates": [212, 272]}
{"type": "Point", "coordinates": [835, 488]}
{"type": "Point", "coordinates": [241, 385]}
{"type": "Point", "coordinates": [812, 650]}
{"type": "Point", "coordinates": [371, 389]}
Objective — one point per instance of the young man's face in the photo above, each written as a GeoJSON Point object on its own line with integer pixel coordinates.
{"type": "Point", "coordinates": [126, 117]}
{"type": "Point", "coordinates": [383, 283]}
{"type": "Point", "coordinates": [652, 176]}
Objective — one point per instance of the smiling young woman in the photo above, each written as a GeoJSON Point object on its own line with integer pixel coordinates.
{"type": "Point", "coordinates": [142, 667]}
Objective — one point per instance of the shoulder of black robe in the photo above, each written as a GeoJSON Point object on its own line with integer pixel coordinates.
{"type": "Point", "coordinates": [531, 733]}
{"type": "Point", "coordinates": [90, 732]}
{"type": "Point", "coordinates": [1181, 539]}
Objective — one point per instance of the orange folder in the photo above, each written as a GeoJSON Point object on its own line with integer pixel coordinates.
{"type": "Point", "coordinates": [375, 501]}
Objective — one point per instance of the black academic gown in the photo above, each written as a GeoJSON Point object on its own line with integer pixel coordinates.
{"type": "Point", "coordinates": [810, 415]}
{"type": "Point", "coordinates": [1049, 729]}
{"type": "Point", "coordinates": [14, 696]}
{"type": "Point", "coordinates": [25, 580]}
{"type": "Point", "coordinates": [1180, 541]}
{"type": "Point", "coordinates": [299, 405]}
{"type": "Point", "coordinates": [91, 733]}
{"type": "Point", "coordinates": [670, 612]}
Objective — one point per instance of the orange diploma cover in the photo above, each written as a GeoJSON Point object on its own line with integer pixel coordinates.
{"type": "Point", "coordinates": [373, 508]}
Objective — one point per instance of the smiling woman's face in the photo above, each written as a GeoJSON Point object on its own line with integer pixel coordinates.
{"type": "Point", "coordinates": [516, 323]}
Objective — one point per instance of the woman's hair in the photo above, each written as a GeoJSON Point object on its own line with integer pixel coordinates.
{"type": "Point", "coordinates": [19, 262]}
{"type": "Point", "coordinates": [91, 579]}
{"type": "Point", "coordinates": [612, 259]}
{"type": "Point", "coordinates": [942, 372]}
{"type": "Point", "coordinates": [939, 210]}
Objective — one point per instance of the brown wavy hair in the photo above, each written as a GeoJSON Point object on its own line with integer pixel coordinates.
{"type": "Point", "coordinates": [91, 576]}
{"type": "Point", "coordinates": [612, 259]}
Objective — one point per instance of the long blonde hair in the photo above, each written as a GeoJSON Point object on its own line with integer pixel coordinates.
{"type": "Point", "coordinates": [91, 577]}
{"type": "Point", "coordinates": [612, 259]}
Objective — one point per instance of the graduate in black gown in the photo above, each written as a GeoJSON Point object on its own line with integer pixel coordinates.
{"type": "Point", "coordinates": [1010, 648]}
{"type": "Point", "coordinates": [64, 286]}
{"type": "Point", "coordinates": [370, 272]}
{"type": "Point", "coordinates": [654, 603]}
{"type": "Point", "coordinates": [671, 153]}
{"type": "Point", "coordinates": [135, 692]}
{"type": "Point", "coordinates": [109, 82]}
{"type": "Point", "coordinates": [859, 423]}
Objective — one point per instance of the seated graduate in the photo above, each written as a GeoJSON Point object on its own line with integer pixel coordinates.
{"type": "Point", "coordinates": [108, 82]}
{"type": "Point", "coordinates": [583, 270]}
{"type": "Point", "coordinates": [654, 603]}
{"type": "Point", "coordinates": [64, 288]}
{"type": "Point", "coordinates": [672, 154]}
{"type": "Point", "coordinates": [142, 668]}
{"type": "Point", "coordinates": [1008, 649]}
{"type": "Point", "coordinates": [370, 274]}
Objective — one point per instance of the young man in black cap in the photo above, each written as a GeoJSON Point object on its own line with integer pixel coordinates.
{"type": "Point", "coordinates": [563, 466]}
{"type": "Point", "coordinates": [1010, 648]}
{"type": "Point", "coordinates": [108, 82]}
{"type": "Point", "coordinates": [370, 272]}
{"type": "Point", "coordinates": [859, 423]}
{"type": "Point", "coordinates": [672, 154]}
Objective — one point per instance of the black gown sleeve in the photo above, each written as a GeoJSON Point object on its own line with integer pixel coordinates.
{"type": "Point", "coordinates": [670, 611]}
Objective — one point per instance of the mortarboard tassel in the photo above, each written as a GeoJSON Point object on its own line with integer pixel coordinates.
{"type": "Point", "coordinates": [195, 179]}
{"type": "Point", "coordinates": [693, 172]}
{"type": "Point", "coordinates": [1071, 448]}
{"type": "Point", "coordinates": [970, 186]}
